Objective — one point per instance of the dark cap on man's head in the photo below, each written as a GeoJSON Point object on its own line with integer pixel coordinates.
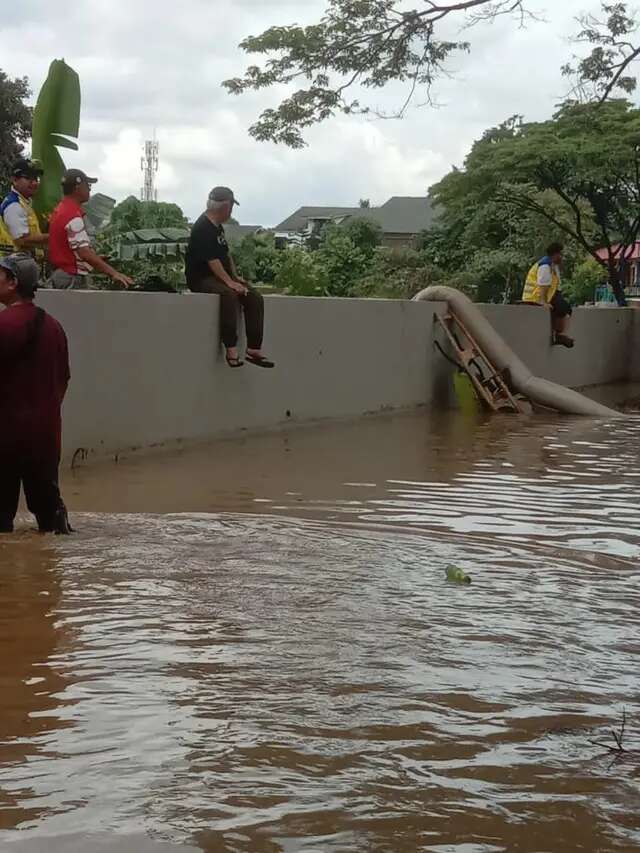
{"type": "Point", "coordinates": [25, 168]}
{"type": "Point", "coordinates": [24, 270]}
{"type": "Point", "coordinates": [223, 194]}
{"type": "Point", "coordinates": [73, 177]}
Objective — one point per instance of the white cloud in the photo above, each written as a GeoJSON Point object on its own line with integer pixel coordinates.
{"type": "Point", "coordinates": [158, 65]}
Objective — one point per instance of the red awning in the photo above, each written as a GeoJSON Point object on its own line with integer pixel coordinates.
{"type": "Point", "coordinates": [632, 253]}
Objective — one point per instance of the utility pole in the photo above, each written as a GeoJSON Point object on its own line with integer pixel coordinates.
{"type": "Point", "coordinates": [149, 166]}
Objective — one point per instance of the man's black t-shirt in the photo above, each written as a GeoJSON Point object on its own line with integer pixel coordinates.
{"type": "Point", "coordinates": [207, 243]}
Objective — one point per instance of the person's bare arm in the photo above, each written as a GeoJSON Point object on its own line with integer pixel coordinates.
{"type": "Point", "coordinates": [220, 272]}
{"type": "Point", "coordinates": [87, 254]}
{"type": "Point", "coordinates": [31, 241]}
{"type": "Point", "coordinates": [234, 272]}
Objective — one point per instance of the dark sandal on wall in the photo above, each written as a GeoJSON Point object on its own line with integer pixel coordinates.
{"type": "Point", "coordinates": [560, 340]}
{"type": "Point", "coordinates": [259, 360]}
{"type": "Point", "coordinates": [234, 362]}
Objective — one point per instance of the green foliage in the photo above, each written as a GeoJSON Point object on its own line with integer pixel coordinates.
{"type": "Point", "coordinates": [605, 69]}
{"type": "Point", "coordinates": [56, 123]}
{"type": "Point", "coordinates": [347, 260]}
{"type": "Point", "coordinates": [364, 234]}
{"type": "Point", "coordinates": [485, 247]}
{"type": "Point", "coordinates": [135, 215]}
{"type": "Point", "coordinates": [15, 124]}
{"type": "Point", "coordinates": [300, 274]}
{"type": "Point", "coordinates": [350, 263]}
{"type": "Point", "coordinates": [342, 261]}
{"type": "Point", "coordinates": [257, 258]}
{"type": "Point", "coordinates": [145, 272]}
{"type": "Point", "coordinates": [396, 274]}
{"type": "Point", "coordinates": [575, 176]}
{"type": "Point", "coordinates": [368, 43]}
{"type": "Point", "coordinates": [586, 277]}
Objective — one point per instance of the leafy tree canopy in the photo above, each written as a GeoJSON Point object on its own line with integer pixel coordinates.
{"type": "Point", "coordinates": [135, 215]}
{"type": "Point", "coordinates": [364, 233]}
{"type": "Point", "coordinates": [365, 43]}
{"type": "Point", "coordinates": [579, 172]}
{"type": "Point", "coordinates": [15, 124]}
{"type": "Point", "coordinates": [606, 70]}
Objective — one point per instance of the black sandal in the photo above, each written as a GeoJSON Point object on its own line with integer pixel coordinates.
{"type": "Point", "coordinates": [560, 340]}
{"type": "Point", "coordinates": [234, 362]}
{"type": "Point", "coordinates": [259, 361]}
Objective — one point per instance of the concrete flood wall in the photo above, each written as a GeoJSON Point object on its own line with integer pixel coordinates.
{"type": "Point", "coordinates": [148, 369]}
{"type": "Point", "coordinates": [604, 343]}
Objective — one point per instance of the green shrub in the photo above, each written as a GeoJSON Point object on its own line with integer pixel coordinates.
{"type": "Point", "coordinates": [299, 274]}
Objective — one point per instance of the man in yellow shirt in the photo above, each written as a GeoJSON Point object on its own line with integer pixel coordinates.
{"type": "Point", "coordinates": [542, 287]}
{"type": "Point", "coordinates": [19, 227]}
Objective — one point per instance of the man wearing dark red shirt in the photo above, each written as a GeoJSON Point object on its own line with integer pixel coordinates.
{"type": "Point", "coordinates": [34, 374]}
{"type": "Point", "coordinates": [70, 251]}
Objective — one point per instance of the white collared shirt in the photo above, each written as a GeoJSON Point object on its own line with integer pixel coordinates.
{"type": "Point", "coordinates": [16, 217]}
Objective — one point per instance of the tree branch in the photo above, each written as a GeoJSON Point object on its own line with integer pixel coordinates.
{"type": "Point", "coordinates": [356, 42]}
{"type": "Point", "coordinates": [621, 68]}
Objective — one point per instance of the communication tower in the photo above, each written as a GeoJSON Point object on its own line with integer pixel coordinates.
{"type": "Point", "coordinates": [149, 166]}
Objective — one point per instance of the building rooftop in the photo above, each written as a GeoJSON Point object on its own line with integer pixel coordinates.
{"type": "Point", "coordinates": [400, 215]}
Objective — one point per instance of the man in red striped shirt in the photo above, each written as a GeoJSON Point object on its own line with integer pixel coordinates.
{"type": "Point", "coordinates": [34, 374]}
{"type": "Point", "coordinates": [70, 251]}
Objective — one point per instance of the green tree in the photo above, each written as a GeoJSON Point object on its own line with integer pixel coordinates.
{"type": "Point", "coordinates": [483, 246]}
{"type": "Point", "coordinates": [257, 258]}
{"type": "Point", "coordinates": [342, 261]}
{"type": "Point", "coordinates": [135, 215]}
{"type": "Point", "coordinates": [300, 274]}
{"type": "Point", "coordinates": [580, 172]}
{"type": "Point", "coordinates": [368, 43]}
{"type": "Point", "coordinates": [585, 279]}
{"type": "Point", "coordinates": [15, 124]}
{"type": "Point", "coordinates": [396, 274]}
{"type": "Point", "coordinates": [606, 69]}
{"type": "Point", "coordinates": [364, 234]}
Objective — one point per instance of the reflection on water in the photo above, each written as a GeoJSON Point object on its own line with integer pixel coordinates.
{"type": "Point", "coordinates": [277, 663]}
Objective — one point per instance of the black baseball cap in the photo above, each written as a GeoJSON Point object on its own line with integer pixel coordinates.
{"type": "Point", "coordinates": [77, 176]}
{"type": "Point", "coordinates": [24, 270]}
{"type": "Point", "coordinates": [223, 194]}
{"type": "Point", "coordinates": [25, 168]}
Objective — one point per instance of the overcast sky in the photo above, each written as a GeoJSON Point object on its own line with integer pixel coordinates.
{"type": "Point", "coordinates": [148, 64]}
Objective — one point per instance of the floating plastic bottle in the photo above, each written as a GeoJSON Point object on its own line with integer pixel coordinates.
{"type": "Point", "coordinates": [457, 575]}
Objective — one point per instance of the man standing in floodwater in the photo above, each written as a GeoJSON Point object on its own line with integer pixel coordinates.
{"type": "Point", "coordinates": [542, 287]}
{"type": "Point", "coordinates": [34, 374]}
{"type": "Point", "coordinates": [210, 268]}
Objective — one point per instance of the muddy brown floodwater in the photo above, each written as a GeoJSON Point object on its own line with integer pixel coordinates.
{"type": "Point", "coordinates": [251, 646]}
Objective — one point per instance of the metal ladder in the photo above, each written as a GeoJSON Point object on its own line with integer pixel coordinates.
{"type": "Point", "coordinates": [489, 383]}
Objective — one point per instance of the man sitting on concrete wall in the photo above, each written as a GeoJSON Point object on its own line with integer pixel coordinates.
{"type": "Point", "coordinates": [210, 268]}
{"type": "Point", "coordinates": [34, 374]}
{"type": "Point", "coordinates": [542, 287]}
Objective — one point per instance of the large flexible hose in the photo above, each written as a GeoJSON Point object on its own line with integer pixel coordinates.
{"type": "Point", "coordinates": [538, 390]}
